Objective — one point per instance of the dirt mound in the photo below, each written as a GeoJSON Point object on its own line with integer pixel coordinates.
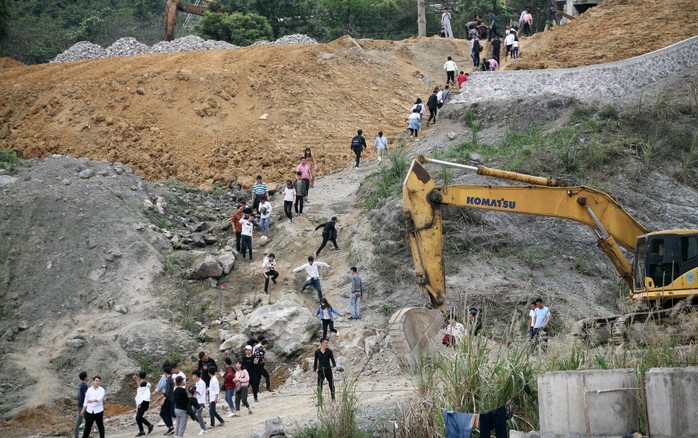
{"type": "Point", "coordinates": [9, 63]}
{"type": "Point", "coordinates": [612, 31]}
{"type": "Point", "coordinates": [195, 116]}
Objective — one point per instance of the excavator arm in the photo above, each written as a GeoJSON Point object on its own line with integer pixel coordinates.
{"type": "Point", "coordinates": [422, 201]}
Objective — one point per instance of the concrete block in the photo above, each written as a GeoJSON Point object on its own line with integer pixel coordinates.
{"type": "Point", "coordinates": [672, 402]}
{"type": "Point", "coordinates": [579, 404]}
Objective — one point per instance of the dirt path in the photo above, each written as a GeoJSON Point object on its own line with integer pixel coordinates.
{"type": "Point", "coordinates": [379, 392]}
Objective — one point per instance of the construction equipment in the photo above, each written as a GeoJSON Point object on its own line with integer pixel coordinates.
{"type": "Point", "coordinates": [172, 7]}
{"type": "Point", "coordinates": [665, 263]}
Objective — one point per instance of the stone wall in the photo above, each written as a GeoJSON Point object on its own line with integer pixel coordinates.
{"type": "Point", "coordinates": [594, 82]}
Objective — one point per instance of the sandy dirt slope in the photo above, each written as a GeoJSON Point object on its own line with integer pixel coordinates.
{"type": "Point", "coordinates": [612, 31]}
{"type": "Point", "coordinates": [195, 116]}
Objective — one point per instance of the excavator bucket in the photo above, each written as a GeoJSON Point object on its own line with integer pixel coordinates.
{"type": "Point", "coordinates": [411, 331]}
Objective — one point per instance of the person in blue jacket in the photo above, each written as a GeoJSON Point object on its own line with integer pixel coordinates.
{"type": "Point", "coordinates": [324, 312]}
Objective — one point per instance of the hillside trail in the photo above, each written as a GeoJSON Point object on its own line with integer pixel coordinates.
{"type": "Point", "coordinates": [336, 194]}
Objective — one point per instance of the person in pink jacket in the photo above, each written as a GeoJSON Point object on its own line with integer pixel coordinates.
{"type": "Point", "coordinates": [242, 381]}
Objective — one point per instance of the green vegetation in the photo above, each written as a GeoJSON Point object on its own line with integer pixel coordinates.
{"type": "Point", "coordinates": [237, 28]}
{"type": "Point", "coordinates": [9, 160]}
{"type": "Point", "coordinates": [479, 376]}
{"type": "Point", "coordinates": [152, 363]}
{"type": "Point", "coordinates": [386, 181]}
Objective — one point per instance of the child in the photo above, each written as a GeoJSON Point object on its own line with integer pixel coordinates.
{"type": "Point", "coordinates": [461, 79]}
{"type": "Point", "coordinates": [515, 48]}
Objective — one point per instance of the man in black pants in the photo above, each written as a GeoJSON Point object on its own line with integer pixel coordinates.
{"type": "Point", "coordinates": [323, 366]}
{"type": "Point", "coordinates": [496, 47]}
{"type": "Point", "coordinates": [259, 369]}
{"type": "Point", "coordinates": [329, 234]}
{"type": "Point", "coordinates": [269, 269]}
{"type": "Point", "coordinates": [358, 145]}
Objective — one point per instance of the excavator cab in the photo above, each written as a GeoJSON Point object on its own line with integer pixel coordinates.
{"type": "Point", "coordinates": [666, 261]}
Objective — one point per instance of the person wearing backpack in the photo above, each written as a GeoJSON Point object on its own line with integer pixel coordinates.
{"type": "Point", "coordinates": [433, 105]}
{"type": "Point", "coordinates": [475, 49]}
{"type": "Point", "coordinates": [418, 107]}
{"type": "Point", "coordinates": [358, 145]}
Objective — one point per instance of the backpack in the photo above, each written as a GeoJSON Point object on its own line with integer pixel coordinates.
{"type": "Point", "coordinates": [356, 142]}
{"type": "Point", "coordinates": [263, 210]}
{"type": "Point", "coordinates": [480, 48]}
{"type": "Point", "coordinates": [418, 107]}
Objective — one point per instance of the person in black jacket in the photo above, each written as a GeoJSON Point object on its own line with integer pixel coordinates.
{"type": "Point", "coordinates": [329, 233]}
{"type": "Point", "coordinates": [205, 362]}
{"type": "Point", "coordinates": [433, 104]}
{"type": "Point", "coordinates": [323, 366]}
{"type": "Point", "coordinates": [358, 145]}
{"type": "Point", "coordinates": [496, 47]}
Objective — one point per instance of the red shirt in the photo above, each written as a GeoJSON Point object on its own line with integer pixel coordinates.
{"type": "Point", "coordinates": [461, 79]}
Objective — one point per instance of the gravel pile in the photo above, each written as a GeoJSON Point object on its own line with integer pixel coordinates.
{"type": "Point", "coordinates": [127, 47]}
{"type": "Point", "coordinates": [81, 50]}
{"type": "Point", "coordinates": [131, 47]}
{"type": "Point", "coordinates": [296, 38]}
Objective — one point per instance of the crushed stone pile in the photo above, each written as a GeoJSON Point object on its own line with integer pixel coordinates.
{"type": "Point", "coordinates": [127, 47]}
{"type": "Point", "coordinates": [82, 50]}
{"type": "Point", "coordinates": [132, 47]}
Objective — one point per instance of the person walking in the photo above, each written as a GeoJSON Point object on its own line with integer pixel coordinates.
{"type": "Point", "coordinates": [196, 409]}
{"type": "Point", "coordinates": [265, 210]}
{"type": "Point", "coordinates": [358, 145]}
{"type": "Point", "coordinates": [509, 45]}
{"type": "Point", "coordinates": [541, 319]}
{"type": "Point", "coordinates": [475, 50]}
{"type": "Point", "coordinates": [451, 69]}
{"type": "Point", "coordinates": [381, 144]}
{"type": "Point", "coordinates": [323, 365]}
{"type": "Point", "coordinates": [356, 295]}
{"type": "Point", "coordinates": [445, 95]}
{"type": "Point", "coordinates": [532, 320]}
{"type": "Point", "coordinates": [515, 48]}
{"type": "Point", "coordinates": [229, 385]}
{"type": "Point", "coordinates": [289, 199]}
{"type": "Point", "coordinates": [446, 23]}
{"type": "Point", "coordinates": [462, 79]}
{"type": "Point", "coordinates": [259, 351]}
{"type": "Point", "coordinates": [496, 48]}
{"type": "Point", "coordinates": [313, 279]}
{"type": "Point", "coordinates": [181, 406]}
{"type": "Point", "coordinates": [237, 226]}
{"type": "Point", "coordinates": [142, 402]}
{"type": "Point", "coordinates": [549, 18]}
{"type": "Point", "coordinates": [329, 234]}
{"type": "Point", "coordinates": [166, 388]}
{"type": "Point", "coordinates": [418, 107]}
{"type": "Point", "coordinates": [247, 227]}
{"type": "Point", "coordinates": [214, 390]}
{"type": "Point", "coordinates": [433, 104]}
{"type": "Point", "coordinates": [93, 408]}
{"type": "Point", "coordinates": [82, 389]}
{"type": "Point", "coordinates": [259, 189]}
{"type": "Point", "coordinates": [301, 193]}
{"type": "Point", "coordinates": [306, 173]}
{"type": "Point", "coordinates": [200, 395]}
{"type": "Point", "coordinates": [269, 271]}
{"type": "Point", "coordinates": [248, 364]}
{"type": "Point", "coordinates": [324, 313]}
{"type": "Point", "coordinates": [242, 381]}
{"type": "Point", "coordinates": [310, 159]}
{"type": "Point", "coordinates": [414, 123]}
{"type": "Point", "coordinates": [527, 22]}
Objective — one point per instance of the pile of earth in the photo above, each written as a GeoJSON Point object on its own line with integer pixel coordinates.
{"type": "Point", "coordinates": [612, 31]}
{"type": "Point", "coordinates": [220, 116]}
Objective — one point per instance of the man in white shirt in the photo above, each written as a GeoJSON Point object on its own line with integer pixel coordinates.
{"type": "Point", "coordinates": [246, 235]}
{"type": "Point", "coordinates": [311, 268]}
{"type": "Point", "coordinates": [541, 319]}
{"type": "Point", "coordinates": [446, 24]}
{"type": "Point", "coordinates": [200, 396]}
{"type": "Point", "coordinates": [451, 69]}
{"type": "Point", "coordinates": [142, 403]}
{"type": "Point", "coordinates": [176, 372]}
{"type": "Point", "coordinates": [93, 410]}
{"type": "Point", "coordinates": [269, 271]}
{"type": "Point", "coordinates": [214, 389]}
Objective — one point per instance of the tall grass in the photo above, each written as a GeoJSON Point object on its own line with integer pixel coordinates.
{"type": "Point", "coordinates": [481, 375]}
{"type": "Point", "coordinates": [386, 181]}
{"type": "Point", "coordinates": [336, 419]}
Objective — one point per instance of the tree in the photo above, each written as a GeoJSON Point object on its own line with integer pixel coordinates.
{"type": "Point", "coordinates": [236, 28]}
{"type": "Point", "coordinates": [4, 17]}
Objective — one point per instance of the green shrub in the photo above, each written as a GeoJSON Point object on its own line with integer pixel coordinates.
{"type": "Point", "coordinates": [236, 28]}
{"type": "Point", "coordinates": [386, 181]}
{"type": "Point", "coordinates": [9, 160]}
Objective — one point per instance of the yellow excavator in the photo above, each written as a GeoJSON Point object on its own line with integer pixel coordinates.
{"type": "Point", "coordinates": [664, 267]}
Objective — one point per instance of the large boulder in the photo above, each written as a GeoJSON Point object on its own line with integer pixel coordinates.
{"type": "Point", "coordinates": [288, 325]}
{"type": "Point", "coordinates": [207, 267]}
{"type": "Point", "coordinates": [227, 262]}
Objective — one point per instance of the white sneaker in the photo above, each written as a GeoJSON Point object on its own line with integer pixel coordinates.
{"type": "Point", "coordinates": [202, 432]}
